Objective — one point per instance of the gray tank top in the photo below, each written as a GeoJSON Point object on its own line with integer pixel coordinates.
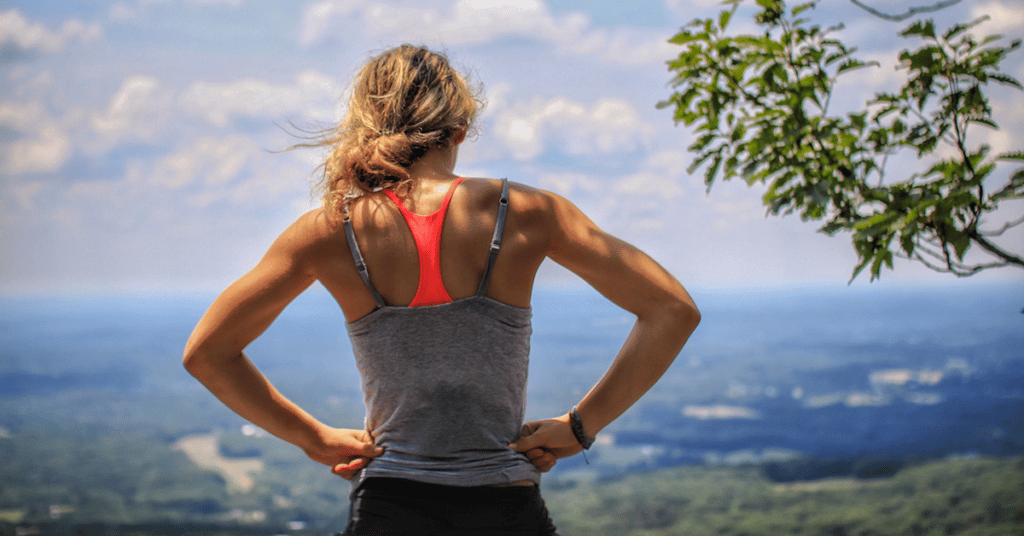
{"type": "Point", "coordinates": [445, 385]}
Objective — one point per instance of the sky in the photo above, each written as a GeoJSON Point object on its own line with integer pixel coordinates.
{"type": "Point", "coordinates": [140, 139]}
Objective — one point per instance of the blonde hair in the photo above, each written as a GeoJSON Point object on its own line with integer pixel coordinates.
{"type": "Point", "coordinates": [404, 101]}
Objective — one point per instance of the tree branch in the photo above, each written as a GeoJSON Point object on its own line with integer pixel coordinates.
{"type": "Point", "coordinates": [909, 13]}
{"type": "Point", "coordinates": [959, 270]}
{"type": "Point", "coordinates": [994, 249]}
{"type": "Point", "coordinates": [954, 267]}
{"type": "Point", "coordinates": [1006, 226]}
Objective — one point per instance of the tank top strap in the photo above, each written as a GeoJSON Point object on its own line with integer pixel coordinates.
{"type": "Point", "coordinates": [358, 257]}
{"type": "Point", "coordinates": [499, 227]}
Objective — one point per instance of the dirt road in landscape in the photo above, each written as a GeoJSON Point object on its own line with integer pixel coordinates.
{"type": "Point", "coordinates": [203, 451]}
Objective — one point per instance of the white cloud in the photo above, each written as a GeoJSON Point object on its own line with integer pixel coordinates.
{"type": "Point", "coordinates": [570, 184]}
{"type": "Point", "coordinates": [140, 109]}
{"type": "Point", "coordinates": [464, 21]}
{"type": "Point", "coordinates": [622, 45]}
{"type": "Point", "coordinates": [21, 117]}
{"type": "Point", "coordinates": [209, 161]}
{"type": "Point", "coordinates": [124, 10]}
{"type": "Point", "coordinates": [18, 33]}
{"type": "Point", "coordinates": [210, 170]}
{"type": "Point", "coordinates": [230, 3]}
{"type": "Point", "coordinates": [689, 6]}
{"type": "Point", "coordinates": [318, 18]}
{"type": "Point", "coordinates": [47, 151]}
{"type": "Point", "coordinates": [312, 94]}
{"type": "Point", "coordinates": [671, 163]}
{"type": "Point", "coordinates": [468, 22]}
{"type": "Point", "coordinates": [1004, 18]}
{"type": "Point", "coordinates": [29, 84]}
{"type": "Point", "coordinates": [610, 124]}
{"type": "Point", "coordinates": [43, 146]}
{"type": "Point", "coordinates": [648, 184]}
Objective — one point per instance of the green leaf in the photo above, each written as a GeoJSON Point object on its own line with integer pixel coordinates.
{"type": "Point", "coordinates": [883, 256]}
{"type": "Point", "coordinates": [723, 18]}
{"type": "Point", "coordinates": [1006, 80]}
{"type": "Point", "coordinates": [985, 121]}
{"type": "Point", "coordinates": [907, 242]}
{"type": "Point", "coordinates": [852, 64]}
{"type": "Point", "coordinates": [960, 241]}
{"type": "Point", "coordinates": [712, 170]}
{"type": "Point", "coordinates": [832, 228]}
{"type": "Point", "coordinates": [1016, 156]}
{"type": "Point", "coordinates": [749, 169]}
{"type": "Point", "coordinates": [957, 29]}
{"type": "Point", "coordinates": [802, 7]}
{"type": "Point", "coordinates": [859, 268]}
{"type": "Point", "coordinates": [873, 221]}
{"type": "Point", "coordinates": [683, 38]}
{"type": "Point", "coordinates": [1014, 188]}
{"type": "Point", "coordinates": [924, 28]}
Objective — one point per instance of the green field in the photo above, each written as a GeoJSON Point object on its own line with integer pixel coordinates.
{"type": "Point", "coordinates": [965, 496]}
{"type": "Point", "coordinates": [103, 481]}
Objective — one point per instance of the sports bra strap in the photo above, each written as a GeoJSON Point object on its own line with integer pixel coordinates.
{"type": "Point", "coordinates": [358, 257]}
{"type": "Point", "coordinates": [499, 227]}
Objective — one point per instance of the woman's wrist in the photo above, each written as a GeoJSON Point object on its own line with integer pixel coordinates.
{"type": "Point", "coordinates": [578, 430]}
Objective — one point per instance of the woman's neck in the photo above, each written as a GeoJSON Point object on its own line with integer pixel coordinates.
{"type": "Point", "coordinates": [437, 163]}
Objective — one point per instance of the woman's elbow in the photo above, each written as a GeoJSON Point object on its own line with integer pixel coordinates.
{"type": "Point", "coordinates": [195, 361]}
{"type": "Point", "coordinates": [191, 362]}
{"type": "Point", "coordinates": [677, 314]}
{"type": "Point", "coordinates": [685, 315]}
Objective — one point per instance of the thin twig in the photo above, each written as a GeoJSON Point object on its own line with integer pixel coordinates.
{"type": "Point", "coordinates": [994, 249]}
{"type": "Point", "coordinates": [881, 169]}
{"type": "Point", "coordinates": [910, 12]}
{"type": "Point", "coordinates": [1007, 226]}
{"type": "Point", "coordinates": [958, 269]}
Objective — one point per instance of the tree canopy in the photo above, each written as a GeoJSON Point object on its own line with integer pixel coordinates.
{"type": "Point", "coordinates": [759, 105]}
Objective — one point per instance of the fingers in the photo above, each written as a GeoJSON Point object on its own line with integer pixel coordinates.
{"type": "Point", "coordinates": [529, 439]}
{"type": "Point", "coordinates": [359, 459]}
{"type": "Point", "coordinates": [541, 459]}
{"type": "Point", "coordinates": [370, 450]}
{"type": "Point", "coordinates": [537, 434]}
{"type": "Point", "coordinates": [362, 446]}
{"type": "Point", "coordinates": [349, 470]}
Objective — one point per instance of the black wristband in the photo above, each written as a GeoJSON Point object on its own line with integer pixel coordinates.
{"type": "Point", "coordinates": [577, 429]}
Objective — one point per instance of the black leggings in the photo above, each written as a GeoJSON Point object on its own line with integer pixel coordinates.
{"type": "Point", "coordinates": [397, 507]}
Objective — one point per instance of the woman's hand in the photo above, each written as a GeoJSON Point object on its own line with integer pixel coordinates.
{"type": "Point", "coordinates": [344, 450]}
{"type": "Point", "coordinates": [545, 441]}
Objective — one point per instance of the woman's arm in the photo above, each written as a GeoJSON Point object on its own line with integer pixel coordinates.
{"type": "Point", "coordinates": [665, 318]}
{"type": "Point", "coordinates": [214, 354]}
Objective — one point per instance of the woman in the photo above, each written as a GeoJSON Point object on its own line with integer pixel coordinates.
{"type": "Point", "coordinates": [439, 327]}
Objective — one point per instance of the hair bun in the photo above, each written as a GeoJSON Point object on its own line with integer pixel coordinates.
{"type": "Point", "coordinates": [422, 100]}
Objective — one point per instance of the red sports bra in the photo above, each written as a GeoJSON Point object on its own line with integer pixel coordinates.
{"type": "Point", "coordinates": [426, 232]}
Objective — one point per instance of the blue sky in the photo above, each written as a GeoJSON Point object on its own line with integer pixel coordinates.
{"type": "Point", "coordinates": [136, 137]}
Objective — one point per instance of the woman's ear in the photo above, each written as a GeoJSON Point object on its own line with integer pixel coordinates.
{"type": "Point", "coordinates": [459, 136]}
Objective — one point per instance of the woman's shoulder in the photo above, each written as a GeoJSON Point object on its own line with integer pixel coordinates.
{"type": "Point", "coordinates": [523, 198]}
{"type": "Point", "coordinates": [307, 235]}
